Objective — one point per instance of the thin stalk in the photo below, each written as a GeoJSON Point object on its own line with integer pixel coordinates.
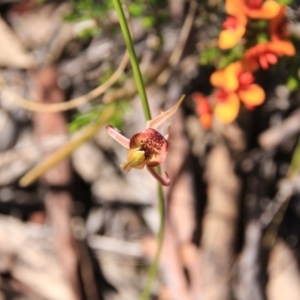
{"type": "Point", "coordinates": [133, 59]}
{"type": "Point", "coordinates": [154, 267]}
{"type": "Point", "coordinates": [295, 161]}
{"type": "Point", "coordinates": [144, 101]}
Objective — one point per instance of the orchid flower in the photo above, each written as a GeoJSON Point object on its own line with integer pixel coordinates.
{"type": "Point", "coordinates": [146, 148]}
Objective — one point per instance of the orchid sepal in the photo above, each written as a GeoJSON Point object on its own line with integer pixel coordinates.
{"type": "Point", "coordinates": [117, 136]}
{"type": "Point", "coordinates": [156, 122]}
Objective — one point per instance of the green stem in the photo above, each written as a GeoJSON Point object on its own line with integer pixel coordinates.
{"type": "Point", "coordinates": [133, 59]}
{"type": "Point", "coordinates": [295, 162]}
{"type": "Point", "coordinates": [142, 92]}
{"type": "Point", "coordinates": [154, 267]}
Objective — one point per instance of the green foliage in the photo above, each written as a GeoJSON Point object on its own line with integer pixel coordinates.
{"type": "Point", "coordinates": [257, 32]}
{"type": "Point", "coordinates": [136, 9]}
{"type": "Point", "coordinates": [262, 38]}
{"type": "Point", "coordinates": [151, 11]}
{"type": "Point", "coordinates": [89, 10]}
{"type": "Point", "coordinates": [232, 55]}
{"type": "Point", "coordinates": [88, 32]}
{"type": "Point", "coordinates": [209, 56]}
{"type": "Point", "coordinates": [284, 2]}
{"type": "Point", "coordinates": [219, 58]}
{"type": "Point", "coordinates": [81, 119]}
{"type": "Point", "coordinates": [84, 10]}
{"type": "Point", "coordinates": [292, 83]}
{"type": "Point", "coordinates": [258, 24]}
{"type": "Point", "coordinates": [148, 21]}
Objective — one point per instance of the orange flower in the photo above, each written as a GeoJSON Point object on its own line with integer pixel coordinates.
{"type": "Point", "coordinates": [259, 9]}
{"type": "Point", "coordinates": [227, 78]}
{"type": "Point", "coordinates": [203, 109]}
{"type": "Point", "coordinates": [238, 11]}
{"type": "Point", "coordinates": [266, 54]}
{"type": "Point", "coordinates": [237, 78]}
{"type": "Point", "coordinates": [234, 26]}
{"type": "Point", "coordinates": [235, 83]}
{"type": "Point", "coordinates": [227, 106]}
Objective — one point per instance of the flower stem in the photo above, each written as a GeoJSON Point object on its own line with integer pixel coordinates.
{"type": "Point", "coordinates": [295, 161]}
{"type": "Point", "coordinates": [133, 59]}
{"type": "Point", "coordinates": [154, 267]}
{"type": "Point", "coordinates": [142, 92]}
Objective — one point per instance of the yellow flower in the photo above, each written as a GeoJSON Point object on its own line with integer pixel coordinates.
{"type": "Point", "coordinates": [235, 83]}
{"type": "Point", "coordinates": [234, 25]}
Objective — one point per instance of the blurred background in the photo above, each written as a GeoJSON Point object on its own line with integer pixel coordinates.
{"type": "Point", "coordinates": [76, 227]}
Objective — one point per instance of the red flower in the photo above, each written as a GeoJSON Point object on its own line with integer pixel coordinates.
{"type": "Point", "coordinates": [266, 54]}
{"type": "Point", "coordinates": [203, 109]}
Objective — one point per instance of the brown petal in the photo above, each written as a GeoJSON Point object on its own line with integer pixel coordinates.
{"type": "Point", "coordinates": [153, 144]}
